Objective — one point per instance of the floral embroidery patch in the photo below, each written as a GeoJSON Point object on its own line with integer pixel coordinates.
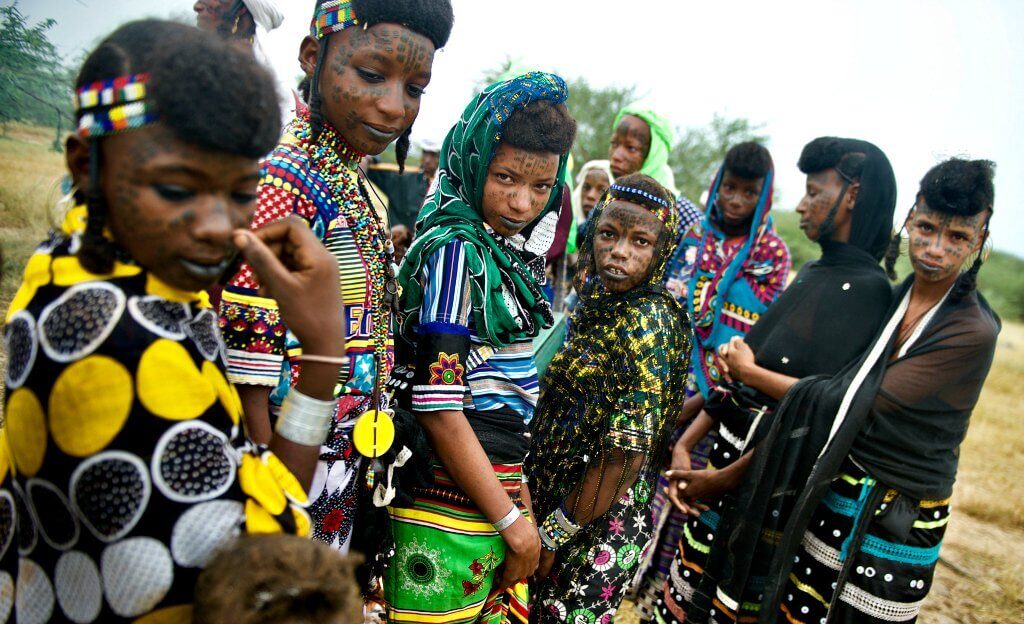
{"type": "Point", "coordinates": [481, 568]}
{"type": "Point", "coordinates": [446, 370]}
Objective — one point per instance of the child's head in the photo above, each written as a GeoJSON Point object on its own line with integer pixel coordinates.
{"type": "Point", "coordinates": [369, 61]}
{"type": "Point", "coordinates": [278, 579]}
{"type": "Point", "coordinates": [630, 144]}
{"type": "Point", "coordinates": [524, 169]}
{"type": "Point", "coordinates": [744, 171]}
{"type": "Point", "coordinates": [172, 122]}
{"type": "Point", "coordinates": [634, 227]}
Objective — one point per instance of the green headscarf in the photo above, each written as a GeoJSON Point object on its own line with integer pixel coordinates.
{"type": "Point", "coordinates": [662, 137]}
{"type": "Point", "coordinates": [500, 273]}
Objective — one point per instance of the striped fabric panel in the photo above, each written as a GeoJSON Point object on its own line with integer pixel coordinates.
{"type": "Point", "coordinates": [256, 369]}
{"type": "Point", "coordinates": [435, 398]}
{"type": "Point", "coordinates": [507, 379]}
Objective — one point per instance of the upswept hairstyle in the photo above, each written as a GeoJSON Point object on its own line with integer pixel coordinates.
{"type": "Point", "coordinates": [541, 126]}
{"type": "Point", "coordinates": [962, 188]}
{"type": "Point", "coordinates": [206, 91]}
{"type": "Point", "coordinates": [857, 161]}
{"type": "Point", "coordinates": [431, 18]}
{"type": "Point", "coordinates": [748, 160]}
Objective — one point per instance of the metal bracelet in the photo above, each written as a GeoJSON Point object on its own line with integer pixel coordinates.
{"type": "Point", "coordinates": [508, 520]}
{"type": "Point", "coordinates": [305, 420]}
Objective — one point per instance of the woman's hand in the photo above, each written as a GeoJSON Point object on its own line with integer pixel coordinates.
{"type": "Point", "coordinates": [736, 359]}
{"type": "Point", "coordinates": [675, 488]}
{"type": "Point", "coordinates": [297, 271]}
{"type": "Point", "coordinates": [547, 562]}
{"type": "Point", "coordinates": [681, 455]}
{"type": "Point", "coordinates": [522, 553]}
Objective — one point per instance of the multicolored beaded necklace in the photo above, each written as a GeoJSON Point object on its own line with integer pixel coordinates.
{"type": "Point", "coordinates": [337, 161]}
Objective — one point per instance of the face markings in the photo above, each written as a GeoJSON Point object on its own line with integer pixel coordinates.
{"type": "Point", "coordinates": [376, 77]}
{"type": "Point", "coordinates": [940, 243]}
{"type": "Point", "coordinates": [517, 188]}
{"type": "Point", "coordinates": [630, 144]}
{"type": "Point", "coordinates": [167, 200]}
{"type": "Point", "coordinates": [625, 242]}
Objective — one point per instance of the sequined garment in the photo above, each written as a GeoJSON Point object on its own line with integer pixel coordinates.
{"type": "Point", "coordinates": [616, 387]}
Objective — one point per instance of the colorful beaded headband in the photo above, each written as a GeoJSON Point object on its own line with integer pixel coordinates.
{"type": "Point", "coordinates": [108, 106]}
{"type": "Point", "coordinates": [332, 16]}
{"type": "Point", "coordinates": [641, 193]}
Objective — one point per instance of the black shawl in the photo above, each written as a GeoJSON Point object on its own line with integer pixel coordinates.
{"type": "Point", "coordinates": [935, 383]}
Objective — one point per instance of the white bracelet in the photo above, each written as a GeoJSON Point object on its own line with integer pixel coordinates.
{"type": "Point", "coordinates": [305, 420]}
{"type": "Point", "coordinates": [508, 520]}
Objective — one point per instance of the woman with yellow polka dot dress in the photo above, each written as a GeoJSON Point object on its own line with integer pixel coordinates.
{"type": "Point", "coordinates": [123, 460]}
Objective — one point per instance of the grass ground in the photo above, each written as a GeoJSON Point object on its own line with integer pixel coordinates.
{"type": "Point", "coordinates": [981, 577]}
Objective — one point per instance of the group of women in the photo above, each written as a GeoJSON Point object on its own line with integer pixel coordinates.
{"type": "Point", "coordinates": [145, 429]}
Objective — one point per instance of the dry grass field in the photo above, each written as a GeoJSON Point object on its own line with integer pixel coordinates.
{"type": "Point", "coordinates": [981, 576]}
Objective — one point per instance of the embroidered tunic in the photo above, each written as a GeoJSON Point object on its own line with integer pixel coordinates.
{"type": "Point", "coordinates": [318, 182]}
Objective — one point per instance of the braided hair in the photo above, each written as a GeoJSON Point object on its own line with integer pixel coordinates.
{"type": "Point", "coordinates": [206, 91]}
{"type": "Point", "coordinates": [431, 18]}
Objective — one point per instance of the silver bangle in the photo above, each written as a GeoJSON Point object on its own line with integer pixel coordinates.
{"type": "Point", "coordinates": [508, 520]}
{"type": "Point", "coordinates": [305, 420]}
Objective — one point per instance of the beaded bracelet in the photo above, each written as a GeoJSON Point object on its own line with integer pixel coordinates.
{"type": "Point", "coordinates": [305, 420]}
{"type": "Point", "coordinates": [557, 529]}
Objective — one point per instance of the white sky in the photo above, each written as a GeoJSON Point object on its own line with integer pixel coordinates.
{"type": "Point", "coordinates": [922, 80]}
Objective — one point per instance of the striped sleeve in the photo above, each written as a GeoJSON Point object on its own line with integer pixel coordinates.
{"type": "Point", "coordinates": [443, 344]}
{"type": "Point", "coordinates": [253, 330]}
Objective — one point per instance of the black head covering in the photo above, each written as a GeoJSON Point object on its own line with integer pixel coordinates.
{"type": "Point", "coordinates": [876, 201]}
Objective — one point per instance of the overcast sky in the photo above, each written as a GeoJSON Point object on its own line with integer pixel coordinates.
{"type": "Point", "coordinates": [922, 80]}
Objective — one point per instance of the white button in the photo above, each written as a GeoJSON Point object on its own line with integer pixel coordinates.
{"type": "Point", "coordinates": [846, 286]}
{"type": "Point", "coordinates": [888, 578]}
{"type": "Point", "coordinates": [837, 533]}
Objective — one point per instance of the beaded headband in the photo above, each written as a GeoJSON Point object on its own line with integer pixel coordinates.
{"type": "Point", "coordinates": [332, 16]}
{"type": "Point", "coordinates": [114, 105]}
{"type": "Point", "coordinates": [664, 215]}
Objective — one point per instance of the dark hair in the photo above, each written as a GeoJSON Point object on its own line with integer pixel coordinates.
{"type": "Point", "coordinates": [749, 160]}
{"type": "Point", "coordinates": [541, 126]}
{"type": "Point", "coordinates": [230, 19]}
{"type": "Point", "coordinates": [267, 579]}
{"type": "Point", "coordinates": [431, 18]}
{"type": "Point", "coordinates": [831, 153]}
{"type": "Point", "coordinates": [206, 91]}
{"type": "Point", "coordinates": [958, 187]}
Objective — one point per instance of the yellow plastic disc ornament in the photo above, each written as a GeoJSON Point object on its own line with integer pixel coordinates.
{"type": "Point", "coordinates": [373, 434]}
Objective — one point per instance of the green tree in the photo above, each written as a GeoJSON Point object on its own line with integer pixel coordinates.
{"type": "Point", "coordinates": [35, 86]}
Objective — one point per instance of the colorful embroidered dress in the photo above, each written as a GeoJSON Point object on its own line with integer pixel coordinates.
{"type": "Point", "coordinates": [471, 305]}
{"type": "Point", "coordinates": [122, 459]}
{"type": "Point", "coordinates": [318, 182]}
{"type": "Point", "coordinates": [733, 281]}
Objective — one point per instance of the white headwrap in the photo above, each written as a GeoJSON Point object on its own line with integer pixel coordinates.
{"type": "Point", "coordinates": [264, 13]}
{"type": "Point", "coordinates": [577, 192]}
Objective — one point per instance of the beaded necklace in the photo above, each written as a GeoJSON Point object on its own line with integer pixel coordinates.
{"type": "Point", "coordinates": [336, 160]}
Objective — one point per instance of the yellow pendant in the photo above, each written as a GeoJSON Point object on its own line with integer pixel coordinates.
{"type": "Point", "coordinates": [374, 433]}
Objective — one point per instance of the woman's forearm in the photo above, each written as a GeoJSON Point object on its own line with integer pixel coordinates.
{"type": "Point", "coordinates": [605, 481]}
{"type": "Point", "coordinates": [775, 385]}
{"type": "Point", "coordinates": [691, 408]}
{"type": "Point", "coordinates": [697, 430]}
{"type": "Point", "coordinates": [458, 448]}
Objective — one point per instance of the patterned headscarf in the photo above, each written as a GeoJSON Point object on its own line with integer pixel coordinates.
{"type": "Point", "coordinates": [505, 273]}
{"type": "Point", "coordinates": [662, 137]}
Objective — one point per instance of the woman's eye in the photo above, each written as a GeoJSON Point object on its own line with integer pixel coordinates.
{"type": "Point", "coordinates": [369, 76]}
{"type": "Point", "coordinates": [642, 242]}
{"type": "Point", "coordinates": [173, 193]}
{"type": "Point", "coordinates": [415, 91]}
{"type": "Point", "coordinates": [543, 187]}
{"type": "Point", "coordinates": [243, 198]}
{"type": "Point", "coordinates": [503, 177]}
{"type": "Point", "coordinates": [605, 234]}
